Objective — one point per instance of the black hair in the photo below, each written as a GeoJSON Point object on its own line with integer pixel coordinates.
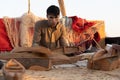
{"type": "Point", "coordinates": [54, 10]}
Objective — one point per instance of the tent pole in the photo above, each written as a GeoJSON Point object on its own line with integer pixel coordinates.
{"type": "Point", "coordinates": [62, 7]}
{"type": "Point", "coordinates": [28, 6]}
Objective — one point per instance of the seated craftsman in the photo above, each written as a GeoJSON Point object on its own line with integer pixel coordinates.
{"type": "Point", "coordinates": [50, 33]}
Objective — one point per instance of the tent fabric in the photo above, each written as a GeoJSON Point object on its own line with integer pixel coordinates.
{"type": "Point", "coordinates": [5, 44]}
{"type": "Point", "coordinates": [17, 32]}
{"type": "Point", "coordinates": [76, 33]}
{"type": "Point", "coordinates": [79, 24]}
{"type": "Point", "coordinates": [80, 30]}
{"type": "Point", "coordinates": [12, 26]}
{"type": "Point", "coordinates": [27, 29]}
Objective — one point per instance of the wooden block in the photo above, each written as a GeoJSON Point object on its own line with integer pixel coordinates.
{"type": "Point", "coordinates": [13, 70]}
{"type": "Point", "coordinates": [105, 64]}
{"type": "Point", "coordinates": [29, 59]}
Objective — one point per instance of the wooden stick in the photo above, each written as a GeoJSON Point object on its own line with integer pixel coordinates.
{"type": "Point", "coordinates": [28, 6]}
{"type": "Point", "coordinates": [97, 43]}
{"type": "Point", "coordinates": [62, 7]}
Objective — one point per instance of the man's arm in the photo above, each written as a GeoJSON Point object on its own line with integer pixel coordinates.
{"type": "Point", "coordinates": [63, 40]}
{"type": "Point", "coordinates": [37, 34]}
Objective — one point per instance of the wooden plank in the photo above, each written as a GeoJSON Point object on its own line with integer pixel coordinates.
{"type": "Point", "coordinates": [40, 49]}
{"type": "Point", "coordinates": [106, 64]}
{"type": "Point", "coordinates": [68, 50]}
{"type": "Point", "coordinates": [29, 59]}
{"type": "Point", "coordinates": [44, 63]}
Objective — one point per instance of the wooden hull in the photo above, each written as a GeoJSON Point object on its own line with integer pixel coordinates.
{"type": "Point", "coordinates": [32, 58]}
{"type": "Point", "coordinates": [29, 60]}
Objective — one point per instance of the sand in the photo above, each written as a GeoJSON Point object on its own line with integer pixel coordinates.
{"type": "Point", "coordinates": [77, 71]}
{"type": "Point", "coordinates": [72, 74]}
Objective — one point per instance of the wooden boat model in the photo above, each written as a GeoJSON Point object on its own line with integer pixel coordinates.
{"type": "Point", "coordinates": [40, 56]}
{"type": "Point", "coordinates": [13, 70]}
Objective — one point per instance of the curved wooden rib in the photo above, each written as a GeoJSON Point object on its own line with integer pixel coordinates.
{"type": "Point", "coordinates": [39, 49]}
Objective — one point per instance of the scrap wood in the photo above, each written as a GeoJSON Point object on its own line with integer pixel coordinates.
{"type": "Point", "coordinates": [47, 51]}
{"type": "Point", "coordinates": [105, 56]}
{"type": "Point", "coordinates": [50, 53]}
{"type": "Point", "coordinates": [73, 59]}
{"type": "Point", "coordinates": [104, 53]}
{"type": "Point", "coordinates": [67, 50]}
{"type": "Point", "coordinates": [105, 64]}
{"type": "Point", "coordinates": [13, 65]}
{"type": "Point", "coordinates": [28, 60]}
{"type": "Point", "coordinates": [13, 70]}
{"type": "Point", "coordinates": [32, 63]}
{"type": "Point", "coordinates": [40, 49]}
{"type": "Point", "coordinates": [7, 56]}
{"type": "Point", "coordinates": [105, 59]}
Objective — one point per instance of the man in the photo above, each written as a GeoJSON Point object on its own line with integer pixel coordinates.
{"type": "Point", "coordinates": [50, 33]}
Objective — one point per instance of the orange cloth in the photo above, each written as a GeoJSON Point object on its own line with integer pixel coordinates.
{"type": "Point", "coordinates": [80, 25]}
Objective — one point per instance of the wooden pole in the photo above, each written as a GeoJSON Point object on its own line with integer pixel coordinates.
{"type": "Point", "coordinates": [28, 6]}
{"type": "Point", "coordinates": [62, 7]}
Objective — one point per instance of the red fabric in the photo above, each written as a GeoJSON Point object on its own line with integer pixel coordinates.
{"type": "Point", "coordinates": [4, 40]}
{"type": "Point", "coordinates": [79, 24]}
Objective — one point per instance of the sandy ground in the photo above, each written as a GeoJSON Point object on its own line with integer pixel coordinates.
{"type": "Point", "coordinates": [72, 74]}
{"type": "Point", "coordinates": [76, 71]}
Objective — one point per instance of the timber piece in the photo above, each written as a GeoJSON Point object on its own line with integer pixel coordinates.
{"type": "Point", "coordinates": [28, 60]}
{"type": "Point", "coordinates": [36, 63]}
{"type": "Point", "coordinates": [40, 49]}
{"type": "Point", "coordinates": [7, 56]}
{"type": "Point", "coordinates": [103, 53]}
{"type": "Point", "coordinates": [80, 57]}
{"type": "Point", "coordinates": [13, 70]}
{"type": "Point", "coordinates": [73, 59]}
{"type": "Point", "coordinates": [105, 59]}
{"type": "Point", "coordinates": [60, 59]}
{"type": "Point", "coordinates": [67, 50]}
{"type": "Point", "coordinates": [47, 51]}
{"type": "Point", "coordinates": [106, 64]}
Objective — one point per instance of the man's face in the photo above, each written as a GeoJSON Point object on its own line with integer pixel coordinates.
{"type": "Point", "coordinates": [53, 20]}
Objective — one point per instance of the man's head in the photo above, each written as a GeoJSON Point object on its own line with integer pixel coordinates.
{"type": "Point", "coordinates": [53, 10]}
{"type": "Point", "coordinates": [53, 14]}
